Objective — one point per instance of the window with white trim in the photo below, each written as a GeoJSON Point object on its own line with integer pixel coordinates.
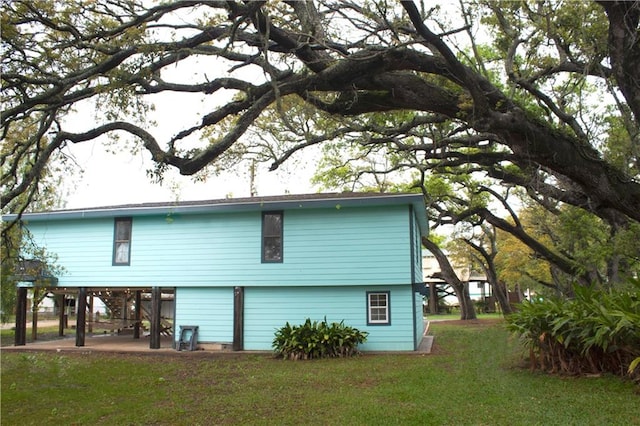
{"type": "Point", "coordinates": [378, 312]}
{"type": "Point", "coordinates": [122, 241]}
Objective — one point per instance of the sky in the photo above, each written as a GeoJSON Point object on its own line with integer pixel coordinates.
{"type": "Point", "coordinates": [121, 178]}
{"type": "Point", "coordinates": [110, 178]}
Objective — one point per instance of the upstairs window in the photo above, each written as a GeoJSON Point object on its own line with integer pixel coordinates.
{"type": "Point", "coordinates": [378, 312]}
{"type": "Point", "coordinates": [122, 241]}
{"type": "Point", "coordinates": [272, 237]}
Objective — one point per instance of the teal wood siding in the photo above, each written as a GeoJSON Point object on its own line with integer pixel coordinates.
{"type": "Point", "coordinates": [343, 246]}
{"type": "Point", "coordinates": [419, 318]}
{"type": "Point", "coordinates": [417, 280]}
{"type": "Point", "coordinates": [417, 252]}
{"type": "Point", "coordinates": [337, 246]}
{"type": "Point", "coordinates": [269, 308]}
{"type": "Point", "coordinates": [211, 309]}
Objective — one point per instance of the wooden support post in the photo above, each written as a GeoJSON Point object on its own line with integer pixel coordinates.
{"type": "Point", "coordinates": [21, 317]}
{"type": "Point", "coordinates": [156, 306]}
{"type": "Point", "coordinates": [61, 313]}
{"type": "Point", "coordinates": [81, 316]}
{"type": "Point", "coordinates": [67, 312]}
{"type": "Point", "coordinates": [91, 313]}
{"type": "Point", "coordinates": [138, 312]}
{"type": "Point", "coordinates": [433, 299]}
{"type": "Point", "coordinates": [238, 318]}
{"type": "Point", "coordinates": [125, 309]}
{"type": "Point", "coordinates": [112, 314]}
{"type": "Point", "coordinates": [34, 313]}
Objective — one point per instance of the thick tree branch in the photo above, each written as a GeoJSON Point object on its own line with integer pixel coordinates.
{"type": "Point", "coordinates": [566, 265]}
{"type": "Point", "coordinates": [298, 51]}
{"type": "Point", "coordinates": [624, 49]}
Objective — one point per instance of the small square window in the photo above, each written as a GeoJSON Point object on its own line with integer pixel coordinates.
{"type": "Point", "coordinates": [378, 311]}
{"type": "Point", "coordinates": [272, 237]}
{"type": "Point", "coordinates": [122, 241]}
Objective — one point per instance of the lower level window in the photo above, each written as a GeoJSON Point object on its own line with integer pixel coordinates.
{"type": "Point", "coordinates": [378, 308]}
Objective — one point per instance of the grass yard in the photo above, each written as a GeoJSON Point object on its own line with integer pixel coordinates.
{"type": "Point", "coordinates": [474, 377]}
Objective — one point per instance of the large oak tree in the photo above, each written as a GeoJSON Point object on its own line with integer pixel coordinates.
{"type": "Point", "coordinates": [527, 126]}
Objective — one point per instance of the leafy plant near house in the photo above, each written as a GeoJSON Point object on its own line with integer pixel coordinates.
{"type": "Point", "coordinates": [596, 332]}
{"type": "Point", "coordinates": [317, 340]}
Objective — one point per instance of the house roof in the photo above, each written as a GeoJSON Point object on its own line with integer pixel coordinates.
{"type": "Point", "coordinates": [279, 202]}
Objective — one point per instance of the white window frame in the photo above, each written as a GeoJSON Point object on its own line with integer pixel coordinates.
{"type": "Point", "coordinates": [374, 308]}
{"type": "Point", "coordinates": [117, 243]}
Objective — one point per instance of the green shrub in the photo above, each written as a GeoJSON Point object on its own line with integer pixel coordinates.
{"type": "Point", "coordinates": [595, 332]}
{"type": "Point", "coordinates": [317, 340]}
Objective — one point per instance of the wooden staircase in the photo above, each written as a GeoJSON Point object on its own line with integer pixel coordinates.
{"type": "Point", "coordinates": [114, 301]}
{"type": "Point", "coordinates": [120, 303]}
{"type": "Point", "coordinates": [166, 327]}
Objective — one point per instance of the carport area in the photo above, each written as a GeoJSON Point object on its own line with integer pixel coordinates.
{"type": "Point", "coordinates": [97, 343]}
{"type": "Point", "coordinates": [137, 317]}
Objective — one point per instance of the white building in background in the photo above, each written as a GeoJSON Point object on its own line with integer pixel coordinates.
{"type": "Point", "coordinates": [48, 305]}
{"type": "Point", "coordinates": [479, 288]}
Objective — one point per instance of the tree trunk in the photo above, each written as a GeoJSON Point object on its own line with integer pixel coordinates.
{"type": "Point", "coordinates": [500, 290]}
{"type": "Point", "coordinates": [448, 274]}
{"type": "Point", "coordinates": [467, 311]}
{"type": "Point", "coordinates": [501, 293]}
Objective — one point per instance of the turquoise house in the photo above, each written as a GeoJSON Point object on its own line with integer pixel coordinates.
{"type": "Point", "coordinates": [238, 269]}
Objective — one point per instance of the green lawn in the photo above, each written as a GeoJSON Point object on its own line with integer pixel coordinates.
{"type": "Point", "coordinates": [474, 376]}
